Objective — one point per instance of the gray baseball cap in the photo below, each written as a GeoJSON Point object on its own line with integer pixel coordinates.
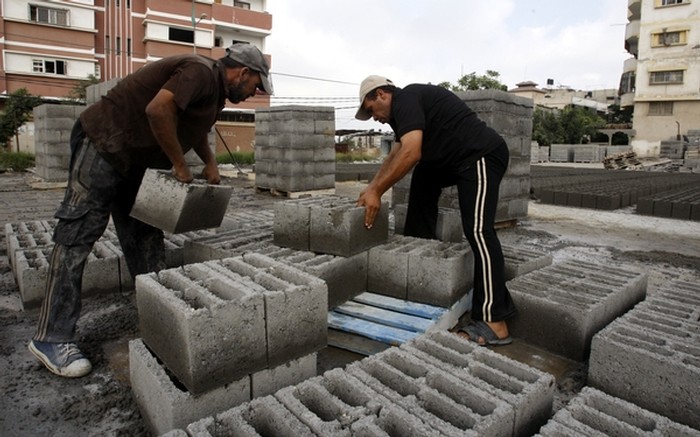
{"type": "Point", "coordinates": [250, 56]}
{"type": "Point", "coordinates": [367, 86]}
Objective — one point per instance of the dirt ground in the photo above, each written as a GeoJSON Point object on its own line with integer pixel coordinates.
{"type": "Point", "coordinates": [36, 403]}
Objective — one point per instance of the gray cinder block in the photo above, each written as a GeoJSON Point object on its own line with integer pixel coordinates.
{"type": "Point", "coordinates": [292, 220]}
{"type": "Point", "coordinates": [338, 228]}
{"type": "Point", "coordinates": [593, 412]}
{"type": "Point", "coordinates": [165, 406]}
{"type": "Point", "coordinates": [175, 207]}
{"type": "Point", "coordinates": [561, 307]}
{"type": "Point", "coordinates": [260, 417]}
{"type": "Point", "coordinates": [267, 381]}
{"type": "Point", "coordinates": [519, 261]}
{"type": "Point", "coordinates": [649, 356]}
{"type": "Point", "coordinates": [441, 274]}
{"type": "Point", "coordinates": [206, 325]}
{"type": "Point", "coordinates": [387, 271]}
{"type": "Point", "coordinates": [528, 391]}
{"type": "Point", "coordinates": [225, 244]}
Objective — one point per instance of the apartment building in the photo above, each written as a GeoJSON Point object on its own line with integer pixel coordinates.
{"type": "Point", "coordinates": [662, 78]}
{"type": "Point", "coordinates": [49, 46]}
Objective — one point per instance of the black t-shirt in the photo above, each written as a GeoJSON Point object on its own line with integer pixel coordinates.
{"type": "Point", "coordinates": [117, 124]}
{"type": "Point", "coordinates": [452, 132]}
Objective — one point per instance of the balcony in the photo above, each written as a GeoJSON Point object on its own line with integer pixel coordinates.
{"type": "Point", "coordinates": [632, 37]}
{"type": "Point", "coordinates": [634, 8]}
{"type": "Point", "coordinates": [258, 22]}
{"type": "Point", "coordinates": [630, 65]}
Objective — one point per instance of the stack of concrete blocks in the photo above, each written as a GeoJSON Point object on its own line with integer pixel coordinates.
{"type": "Point", "coordinates": [563, 305]}
{"type": "Point", "coordinates": [228, 330]}
{"type": "Point", "coordinates": [672, 149]}
{"type": "Point", "coordinates": [534, 152]}
{"type": "Point", "coordinates": [616, 150]}
{"type": "Point", "coordinates": [650, 356]}
{"type": "Point", "coordinates": [561, 153]}
{"type": "Point", "coordinates": [593, 412]}
{"type": "Point", "coordinates": [29, 248]}
{"type": "Point", "coordinates": [588, 153]}
{"type": "Point", "coordinates": [52, 128]}
{"type": "Point", "coordinates": [420, 270]}
{"type": "Point", "coordinates": [437, 384]}
{"type": "Point", "coordinates": [295, 148]}
{"type": "Point", "coordinates": [448, 227]}
{"type": "Point", "coordinates": [543, 154]}
{"type": "Point", "coordinates": [511, 117]}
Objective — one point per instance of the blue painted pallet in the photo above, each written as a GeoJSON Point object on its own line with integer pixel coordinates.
{"type": "Point", "coordinates": [372, 322]}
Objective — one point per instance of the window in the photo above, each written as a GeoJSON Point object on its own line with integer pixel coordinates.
{"type": "Point", "coordinates": [118, 46]}
{"type": "Point", "coordinates": [673, 38]}
{"type": "Point", "coordinates": [665, 77]}
{"type": "Point", "coordinates": [627, 82]}
{"type": "Point", "coordinates": [49, 66]}
{"type": "Point", "coordinates": [182, 35]}
{"type": "Point", "coordinates": [661, 108]}
{"type": "Point", "coordinates": [42, 14]}
{"type": "Point", "coordinates": [128, 47]}
{"type": "Point", "coordinates": [671, 2]}
{"type": "Point", "coordinates": [242, 5]}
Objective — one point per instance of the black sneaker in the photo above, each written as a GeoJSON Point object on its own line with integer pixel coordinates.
{"type": "Point", "coordinates": [63, 359]}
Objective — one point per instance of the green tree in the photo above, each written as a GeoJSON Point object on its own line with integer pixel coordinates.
{"type": "Point", "coordinates": [546, 129]}
{"type": "Point", "coordinates": [79, 92]}
{"type": "Point", "coordinates": [472, 81]}
{"type": "Point", "coordinates": [17, 111]}
{"type": "Point", "coordinates": [572, 125]}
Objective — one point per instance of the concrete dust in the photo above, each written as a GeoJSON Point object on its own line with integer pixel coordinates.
{"type": "Point", "coordinates": [34, 402]}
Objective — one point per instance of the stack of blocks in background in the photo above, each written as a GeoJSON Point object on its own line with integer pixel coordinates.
{"type": "Point", "coordinates": [295, 148]}
{"type": "Point", "coordinates": [511, 117]}
{"type": "Point", "coordinates": [52, 126]}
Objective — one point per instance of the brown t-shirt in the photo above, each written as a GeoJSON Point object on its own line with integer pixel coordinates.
{"type": "Point", "coordinates": [117, 124]}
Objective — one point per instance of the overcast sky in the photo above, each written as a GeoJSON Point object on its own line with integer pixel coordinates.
{"type": "Point", "coordinates": [323, 49]}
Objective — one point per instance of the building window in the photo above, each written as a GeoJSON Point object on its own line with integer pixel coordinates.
{"type": "Point", "coordinates": [42, 14]}
{"type": "Point", "coordinates": [627, 82]}
{"type": "Point", "coordinates": [242, 5]}
{"type": "Point", "coordinates": [665, 38]}
{"type": "Point", "coordinates": [660, 3]}
{"type": "Point", "coordinates": [666, 77]}
{"type": "Point", "coordinates": [660, 108]}
{"type": "Point", "coordinates": [118, 46]}
{"type": "Point", "coordinates": [218, 41]}
{"type": "Point", "coordinates": [181, 35]}
{"type": "Point", "coordinates": [128, 47]}
{"type": "Point", "coordinates": [49, 66]}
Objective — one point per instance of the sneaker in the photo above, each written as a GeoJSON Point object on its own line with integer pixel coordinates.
{"type": "Point", "coordinates": [63, 359]}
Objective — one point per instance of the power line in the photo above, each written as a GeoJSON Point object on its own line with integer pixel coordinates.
{"type": "Point", "coordinates": [298, 76]}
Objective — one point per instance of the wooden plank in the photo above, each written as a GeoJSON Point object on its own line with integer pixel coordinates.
{"type": "Point", "coordinates": [384, 317]}
{"type": "Point", "coordinates": [401, 306]}
{"type": "Point", "coordinates": [375, 331]}
{"type": "Point", "coordinates": [355, 343]}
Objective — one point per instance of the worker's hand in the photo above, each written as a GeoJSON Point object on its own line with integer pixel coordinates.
{"type": "Point", "coordinates": [211, 174]}
{"type": "Point", "coordinates": [372, 201]}
{"type": "Point", "coordinates": [183, 174]}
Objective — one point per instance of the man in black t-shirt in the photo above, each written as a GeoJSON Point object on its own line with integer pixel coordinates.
{"type": "Point", "coordinates": [446, 144]}
{"type": "Point", "coordinates": [150, 119]}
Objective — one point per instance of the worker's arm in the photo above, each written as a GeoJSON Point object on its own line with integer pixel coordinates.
{"type": "Point", "coordinates": [211, 168]}
{"type": "Point", "coordinates": [162, 114]}
{"type": "Point", "coordinates": [400, 161]}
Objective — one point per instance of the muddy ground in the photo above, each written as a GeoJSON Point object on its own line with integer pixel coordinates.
{"type": "Point", "coordinates": [36, 403]}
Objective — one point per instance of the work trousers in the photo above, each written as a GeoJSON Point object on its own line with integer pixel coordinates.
{"type": "Point", "coordinates": [95, 191]}
{"type": "Point", "coordinates": [477, 187]}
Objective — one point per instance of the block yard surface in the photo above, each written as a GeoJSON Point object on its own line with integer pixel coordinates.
{"type": "Point", "coordinates": [434, 382]}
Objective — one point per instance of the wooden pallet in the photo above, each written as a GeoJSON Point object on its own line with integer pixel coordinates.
{"type": "Point", "coordinates": [372, 322]}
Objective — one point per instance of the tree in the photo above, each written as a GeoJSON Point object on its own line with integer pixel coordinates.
{"type": "Point", "coordinates": [79, 92]}
{"type": "Point", "coordinates": [17, 109]}
{"type": "Point", "coordinates": [546, 129]}
{"type": "Point", "coordinates": [472, 81]}
{"type": "Point", "coordinates": [572, 125]}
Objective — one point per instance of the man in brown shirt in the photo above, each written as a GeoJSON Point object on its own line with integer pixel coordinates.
{"type": "Point", "coordinates": [150, 119]}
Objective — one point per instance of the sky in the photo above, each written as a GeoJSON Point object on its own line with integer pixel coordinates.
{"type": "Point", "coordinates": [321, 49]}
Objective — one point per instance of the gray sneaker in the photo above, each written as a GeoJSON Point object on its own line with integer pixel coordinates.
{"type": "Point", "coordinates": [63, 359]}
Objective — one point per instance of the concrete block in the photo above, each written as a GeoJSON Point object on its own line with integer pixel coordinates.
{"type": "Point", "coordinates": [260, 417]}
{"type": "Point", "coordinates": [439, 399]}
{"type": "Point", "coordinates": [103, 270]}
{"type": "Point", "coordinates": [267, 381]}
{"type": "Point", "coordinates": [391, 420]}
{"type": "Point", "coordinates": [205, 324]}
{"type": "Point", "coordinates": [650, 356]}
{"type": "Point", "coordinates": [224, 244]}
{"type": "Point", "coordinates": [345, 277]}
{"type": "Point", "coordinates": [528, 391]}
{"type": "Point", "coordinates": [441, 274]}
{"type": "Point", "coordinates": [295, 307]}
{"type": "Point", "coordinates": [338, 228]}
{"type": "Point", "coordinates": [593, 412]}
{"type": "Point", "coordinates": [387, 271]}
{"type": "Point", "coordinates": [31, 270]}
{"type": "Point", "coordinates": [166, 406]}
{"type": "Point", "coordinates": [520, 261]}
{"type": "Point", "coordinates": [292, 222]}
{"type": "Point", "coordinates": [563, 305]}
{"type": "Point", "coordinates": [175, 207]}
